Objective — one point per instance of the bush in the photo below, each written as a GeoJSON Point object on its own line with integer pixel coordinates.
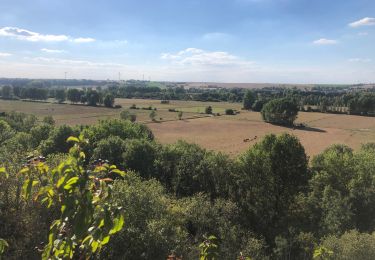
{"type": "Point", "coordinates": [230, 111]}
{"type": "Point", "coordinates": [126, 115]}
{"type": "Point", "coordinates": [208, 110]}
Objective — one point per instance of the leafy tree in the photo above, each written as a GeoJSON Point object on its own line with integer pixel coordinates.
{"type": "Point", "coordinates": [40, 133]}
{"type": "Point", "coordinates": [111, 149]}
{"type": "Point", "coordinates": [248, 100]}
{"type": "Point", "coordinates": [258, 105]}
{"type": "Point", "coordinates": [93, 97]}
{"type": "Point", "coordinates": [139, 156]}
{"type": "Point", "coordinates": [350, 245]}
{"type": "Point", "coordinates": [270, 175]}
{"type": "Point", "coordinates": [6, 92]}
{"type": "Point", "coordinates": [60, 95]}
{"type": "Point", "coordinates": [280, 111]}
{"type": "Point", "coordinates": [73, 95]}
{"type": "Point", "coordinates": [109, 100]}
{"type": "Point", "coordinates": [56, 142]}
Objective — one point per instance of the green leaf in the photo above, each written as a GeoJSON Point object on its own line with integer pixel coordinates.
{"type": "Point", "coordinates": [117, 171]}
{"type": "Point", "coordinates": [3, 246]}
{"type": "Point", "coordinates": [94, 246]}
{"type": "Point", "coordinates": [105, 240]}
{"type": "Point", "coordinates": [117, 225]}
{"type": "Point", "coordinates": [69, 184]}
{"type": "Point", "coordinates": [72, 139]}
{"type": "Point", "coordinates": [3, 171]}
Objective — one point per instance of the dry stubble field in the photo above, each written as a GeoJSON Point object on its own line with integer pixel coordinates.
{"type": "Point", "coordinates": [220, 133]}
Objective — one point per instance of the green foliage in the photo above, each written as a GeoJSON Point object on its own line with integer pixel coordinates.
{"type": "Point", "coordinates": [230, 111]}
{"type": "Point", "coordinates": [93, 97]}
{"type": "Point", "coordinates": [111, 149]}
{"type": "Point", "coordinates": [323, 253]}
{"type": "Point", "coordinates": [270, 175]}
{"type": "Point", "coordinates": [6, 132]}
{"type": "Point", "coordinates": [209, 249]}
{"type": "Point", "coordinates": [109, 100]}
{"type": "Point", "coordinates": [87, 220]}
{"type": "Point", "coordinates": [49, 120]}
{"type": "Point", "coordinates": [248, 100]}
{"type": "Point", "coordinates": [56, 142]}
{"type": "Point", "coordinates": [280, 111]}
{"type": "Point", "coordinates": [139, 155]}
{"type": "Point", "coordinates": [73, 95]}
{"type": "Point", "coordinates": [60, 95]}
{"type": "Point", "coordinates": [350, 245]}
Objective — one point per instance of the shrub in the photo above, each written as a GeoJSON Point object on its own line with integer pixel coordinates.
{"type": "Point", "coordinates": [208, 110]}
{"type": "Point", "coordinates": [229, 111]}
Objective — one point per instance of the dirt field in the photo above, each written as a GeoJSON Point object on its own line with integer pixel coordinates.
{"type": "Point", "coordinates": [220, 133]}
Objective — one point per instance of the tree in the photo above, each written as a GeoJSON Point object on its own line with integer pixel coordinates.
{"type": "Point", "coordinates": [276, 166]}
{"type": "Point", "coordinates": [280, 111]}
{"type": "Point", "coordinates": [73, 95]}
{"type": "Point", "coordinates": [93, 97]}
{"type": "Point", "coordinates": [248, 100]}
{"type": "Point", "coordinates": [111, 149]}
{"type": "Point", "coordinates": [258, 105]}
{"type": "Point", "coordinates": [208, 110]}
{"type": "Point", "coordinates": [6, 92]}
{"type": "Point", "coordinates": [109, 100]}
{"type": "Point", "coordinates": [60, 95]}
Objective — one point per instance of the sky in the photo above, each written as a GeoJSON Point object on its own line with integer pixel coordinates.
{"type": "Point", "coordinates": [253, 41]}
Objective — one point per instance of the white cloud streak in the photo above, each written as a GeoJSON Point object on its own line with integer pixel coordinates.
{"type": "Point", "coordinates": [199, 57]}
{"type": "Point", "coordinates": [52, 51]}
{"type": "Point", "coordinates": [5, 54]}
{"type": "Point", "coordinates": [367, 21]}
{"type": "Point", "coordinates": [26, 35]}
{"type": "Point", "coordinates": [324, 41]}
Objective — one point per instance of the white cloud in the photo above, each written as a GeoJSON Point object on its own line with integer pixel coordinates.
{"type": "Point", "coordinates": [52, 51]}
{"type": "Point", "coordinates": [363, 33]}
{"type": "Point", "coordinates": [4, 54]}
{"type": "Point", "coordinates": [26, 35]}
{"type": "Point", "coordinates": [324, 41]}
{"type": "Point", "coordinates": [359, 60]}
{"type": "Point", "coordinates": [199, 57]}
{"type": "Point", "coordinates": [83, 40]}
{"type": "Point", "coordinates": [367, 21]}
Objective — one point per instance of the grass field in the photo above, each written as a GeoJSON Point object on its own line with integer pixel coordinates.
{"type": "Point", "coordinates": [220, 133]}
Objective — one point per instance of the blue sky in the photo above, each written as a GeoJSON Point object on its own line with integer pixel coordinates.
{"type": "Point", "coordinates": [286, 41]}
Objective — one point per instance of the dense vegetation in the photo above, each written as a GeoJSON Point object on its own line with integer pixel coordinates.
{"type": "Point", "coordinates": [268, 203]}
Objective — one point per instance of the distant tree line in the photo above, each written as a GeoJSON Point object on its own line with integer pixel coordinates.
{"type": "Point", "coordinates": [320, 98]}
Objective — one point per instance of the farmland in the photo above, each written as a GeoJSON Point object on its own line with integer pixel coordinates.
{"type": "Point", "coordinates": [220, 133]}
